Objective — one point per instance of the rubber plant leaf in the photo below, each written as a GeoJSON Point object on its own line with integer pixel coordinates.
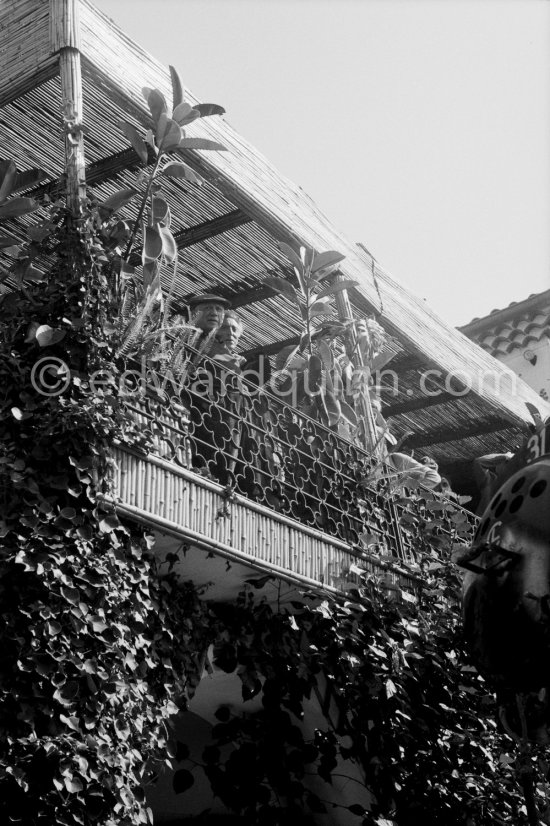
{"type": "Point", "coordinates": [156, 102]}
{"type": "Point", "coordinates": [200, 143]}
{"type": "Point", "coordinates": [291, 254]}
{"type": "Point", "coordinates": [332, 289]}
{"type": "Point", "coordinates": [28, 178]}
{"type": "Point", "coordinates": [17, 207]}
{"type": "Point", "coordinates": [119, 199]}
{"type": "Point", "coordinates": [8, 175]}
{"type": "Point", "coordinates": [7, 241]}
{"type": "Point", "coordinates": [138, 144]}
{"type": "Point", "coordinates": [181, 111]}
{"type": "Point", "coordinates": [171, 137]}
{"type": "Point", "coordinates": [206, 109]}
{"type": "Point", "coordinates": [315, 372]}
{"type": "Point", "coordinates": [333, 408]}
{"type": "Point", "coordinates": [169, 246]}
{"type": "Point", "coordinates": [160, 212]}
{"type": "Point", "coordinates": [326, 259]}
{"type": "Point", "coordinates": [180, 170]}
{"type": "Point", "coordinates": [281, 285]}
{"type": "Point", "coordinates": [177, 87]}
{"type": "Point", "coordinates": [152, 246]}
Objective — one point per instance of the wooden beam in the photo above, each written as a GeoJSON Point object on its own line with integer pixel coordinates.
{"type": "Point", "coordinates": [418, 404]}
{"type": "Point", "coordinates": [223, 223]}
{"type": "Point", "coordinates": [270, 349]}
{"type": "Point", "coordinates": [444, 435]}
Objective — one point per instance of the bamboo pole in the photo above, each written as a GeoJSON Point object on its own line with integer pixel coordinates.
{"type": "Point", "coordinates": [65, 40]}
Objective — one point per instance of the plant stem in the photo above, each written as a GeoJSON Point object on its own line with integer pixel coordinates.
{"type": "Point", "coordinates": [141, 210]}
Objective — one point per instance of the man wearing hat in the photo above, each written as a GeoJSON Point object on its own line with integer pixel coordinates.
{"type": "Point", "coordinates": [206, 312]}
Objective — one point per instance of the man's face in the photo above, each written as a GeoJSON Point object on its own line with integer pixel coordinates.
{"type": "Point", "coordinates": [230, 333]}
{"type": "Point", "coordinates": [208, 316]}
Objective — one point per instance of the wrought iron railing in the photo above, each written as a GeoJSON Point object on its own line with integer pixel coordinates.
{"type": "Point", "coordinates": [208, 419]}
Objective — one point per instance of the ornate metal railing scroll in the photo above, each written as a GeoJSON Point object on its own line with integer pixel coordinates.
{"type": "Point", "coordinates": [212, 421]}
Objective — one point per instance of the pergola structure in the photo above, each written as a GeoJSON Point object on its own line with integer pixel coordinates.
{"type": "Point", "coordinates": [65, 57]}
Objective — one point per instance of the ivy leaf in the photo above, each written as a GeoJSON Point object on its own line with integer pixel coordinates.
{"type": "Point", "coordinates": [139, 145]}
{"type": "Point", "coordinates": [109, 523]}
{"type": "Point", "coordinates": [357, 809]}
{"type": "Point", "coordinates": [315, 804]}
{"type": "Point", "coordinates": [182, 752]}
{"type": "Point", "coordinates": [46, 335]}
{"type": "Point", "coordinates": [182, 780]}
{"type": "Point", "coordinates": [73, 784]}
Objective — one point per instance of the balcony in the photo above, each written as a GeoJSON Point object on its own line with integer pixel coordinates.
{"type": "Point", "coordinates": [221, 464]}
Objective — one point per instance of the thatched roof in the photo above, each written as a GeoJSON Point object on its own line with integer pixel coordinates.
{"type": "Point", "coordinates": [228, 229]}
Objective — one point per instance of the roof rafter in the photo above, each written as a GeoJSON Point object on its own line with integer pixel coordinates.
{"type": "Point", "coordinates": [443, 435]}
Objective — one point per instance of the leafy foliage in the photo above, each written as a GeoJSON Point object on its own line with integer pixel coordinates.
{"type": "Point", "coordinates": [413, 714]}
{"type": "Point", "coordinates": [89, 670]}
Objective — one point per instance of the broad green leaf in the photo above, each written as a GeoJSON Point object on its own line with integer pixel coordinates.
{"type": "Point", "coordinates": [149, 272]}
{"type": "Point", "coordinates": [181, 111]}
{"type": "Point", "coordinates": [28, 178]}
{"type": "Point", "coordinates": [177, 87]}
{"type": "Point", "coordinates": [326, 259]}
{"type": "Point", "coordinates": [156, 102]}
{"type": "Point", "coordinates": [8, 174]}
{"type": "Point", "coordinates": [200, 143]}
{"type": "Point", "coordinates": [17, 207]}
{"type": "Point", "coordinates": [46, 335]}
{"type": "Point", "coordinates": [171, 137]}
{"type": "Point", "coordinates": [331, 289]}
{"type": "Point", "coordinates": [8, 241]}
{"type": "Point", "coordinates": [291, 254]}
{"type": "Point", "coordinates": [315, 372]}
{"type": "Point", "coordinates": [319, 308]}
{"type": "Point", "coordinates": [348, 413]}
{"type": "Point", "coordinates": [189, 118]}
{"type": "Point", "coordinates": [152, 247]}
{"type": "Point", "coordinates": [281, 285]}
{"type": "Point", "coordinates": [169, 246]}
{"type": "Point", "coordinates": [182, 780]}
{"type": "Point", "coordinates": [160, 211]}
{"type": "Point", "coordinates": [176, 169]}
{"type": "Point", "coordinates": [119, 199]}
{"type": "Point", "coordinates": [206, 109]}
{"type": "Point", "coordinates": [139, 145]}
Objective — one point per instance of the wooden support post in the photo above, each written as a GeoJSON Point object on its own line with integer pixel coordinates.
{"type": "Point", "coordinates": [345, 313]}
{"type": "Point", "coordinates": [65, 40]}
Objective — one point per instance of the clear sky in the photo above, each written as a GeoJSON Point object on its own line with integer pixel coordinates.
{"type": "Point", "coordinates": [420, 127]}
